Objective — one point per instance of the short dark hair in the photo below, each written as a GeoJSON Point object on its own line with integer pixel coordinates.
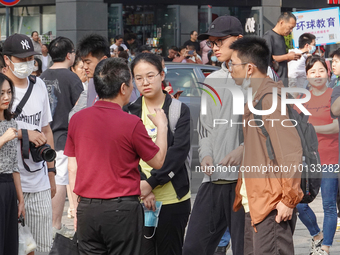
{"type": "Point", "coordinates": [192, 32]}
{"type": "Point", "coordinates": [123, 54]}
{"type": "Point", "coordinates": [117, 37]}
{"type": "Point", "coordinates": [95, 44]}
{"type": "Point", "coordinates": [181, 48]}
{"type": "Point", "coordinates": [253, 49]}
{"type": "Point", "coordinates": [335, 53]}
{"type": "Point", "coordinates": [38, 60]}
{"type": "Point", "coordinates": [311, 60]}
{"type": "Point", "coordinates": [34, 32]}
{"type": "Point", "coordinates": [174, 48]}
{"type": "Point", "coordinates": [109, 76]}
{"type": "Point", "coordinates": [305, 38]}
{"type": "Point", "coordinates": [150, 58]}
{"type": "Point", "coordinates": [286, 16]}
{"type": "Point", "coordinates": [143, 48]}
{"type": "Point", "coordinates": [8, 112]}
{"type": "Point", "coordinates": [59, 48]}
{"type": "Point", "coordinates": [120, 48]}
{"type": "Point", "coordinates": [128, 37]}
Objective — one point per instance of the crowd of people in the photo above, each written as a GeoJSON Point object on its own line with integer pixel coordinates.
{"type": "Point", "coordinates": [122, 142]}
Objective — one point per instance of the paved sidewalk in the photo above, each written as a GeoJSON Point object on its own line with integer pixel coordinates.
{"type": "Point", "coordinates": [301, 236]}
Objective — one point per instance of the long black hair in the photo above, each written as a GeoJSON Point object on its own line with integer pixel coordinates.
{"type": "Point", "coordinates": [8, 112]}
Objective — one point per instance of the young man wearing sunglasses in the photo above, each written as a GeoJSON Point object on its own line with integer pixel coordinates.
{"type": "Point", "coordinates": [212, 212]}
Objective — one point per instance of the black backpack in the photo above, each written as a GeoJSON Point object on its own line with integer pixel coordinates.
{"type": "Point", "coordinates": [311, 169]}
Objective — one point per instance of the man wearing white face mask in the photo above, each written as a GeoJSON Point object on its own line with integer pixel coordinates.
{"type": "Point", "coordinates": [37, 178]}
{"type": "Point", "coordinates": [297, 68]}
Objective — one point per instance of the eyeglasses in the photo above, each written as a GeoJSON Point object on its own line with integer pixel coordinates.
{"type": "Point", "coordinates": [149, 79]}
{"type": "Point", "coordinates": [73, 51]}
{"type": "Point", "coordinates": [218, 42]}
{"type": "Point", "coordinates": [230, 65]}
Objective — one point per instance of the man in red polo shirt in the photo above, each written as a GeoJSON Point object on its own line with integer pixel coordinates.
{"type": "Point", "coordinates": [104, 146]}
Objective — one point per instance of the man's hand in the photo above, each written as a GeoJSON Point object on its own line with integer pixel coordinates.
{"type": "Point", "coordinates": [160, 118]}
{"type": "Point", "coordinates": [75, 222]}
{"type": "Point", "coordinates": [145, 189]}
{"type": "Point", "coordinates": [206, 165]}
{"type": "Point", "coordinates": [150, 202]}
{"type": "Point", "coordinates": [284, 213]}
{"type": "Point", "coordinates": [36, 137]}
{"type": "Point", "coordinates": [293, 56]}
{"type": "Point", "coordinates": [51, 177]}
{"type": "Point", "coordinates": [234, 158]}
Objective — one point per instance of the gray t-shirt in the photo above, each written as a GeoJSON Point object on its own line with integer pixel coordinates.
{"type": "Point", "coordinates": [277, 47]}
{"type": "Point", "coordinates": [8, 152]}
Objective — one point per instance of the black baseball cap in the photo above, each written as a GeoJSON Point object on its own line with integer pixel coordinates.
{"type": "Point", "coordinates": [19, 46]}
{"type": "Point", "coordinates": [223, 26]}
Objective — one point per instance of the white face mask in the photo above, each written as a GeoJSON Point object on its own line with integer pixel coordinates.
{"type": "Point", "coordinates": [246, 82]}
{"type": "Point", "coordinates": [35, 68]}
{"type": "Point", "coordinates": [23, 69]}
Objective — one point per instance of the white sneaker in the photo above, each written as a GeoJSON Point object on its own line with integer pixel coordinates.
{"type": "Point", "coordinates": [69, 233]}
{"type": "Point", "coordinates": [320, 251]}
{"type": "Point", "coordinates": [316, 244]}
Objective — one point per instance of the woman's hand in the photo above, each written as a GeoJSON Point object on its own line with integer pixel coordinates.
{"type": "Point", "coordinates": [9, 135]}
{"type": "Point", "coordinates": [21, 209]}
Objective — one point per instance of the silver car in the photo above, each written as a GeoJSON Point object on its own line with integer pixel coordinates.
{"type": "Point", "coordinates": [186, 78]}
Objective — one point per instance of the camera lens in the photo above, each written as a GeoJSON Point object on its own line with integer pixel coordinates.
{"type": "Point", "coordinates": [48, 154]}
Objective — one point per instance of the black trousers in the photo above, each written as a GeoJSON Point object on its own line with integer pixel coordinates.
{"type": "Point", "coordinates": [271, 238]}
{"type": "Point", "coordinates": [109, 227]}
{"type": "Point", "coordinates": [211, 215]}
{"type": "Point", "coordinates": [9, 240]}
{"type": "Point", "coordinates": [169, 234]}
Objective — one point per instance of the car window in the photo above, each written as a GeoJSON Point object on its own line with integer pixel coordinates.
{"type": "Point", "coordinates": [183, 79]}
{"type": "Point", "coordinates": [206, 72]}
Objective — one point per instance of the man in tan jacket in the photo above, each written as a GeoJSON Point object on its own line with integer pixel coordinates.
{"type": "Point", "coordinates": [268, 189]}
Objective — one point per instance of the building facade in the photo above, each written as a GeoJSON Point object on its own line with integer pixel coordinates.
{"type": "Point", "coordinates": [161, 24]}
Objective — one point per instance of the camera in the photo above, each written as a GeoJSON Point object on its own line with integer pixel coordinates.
{"type": "Point", "coordinates": [43, 152]}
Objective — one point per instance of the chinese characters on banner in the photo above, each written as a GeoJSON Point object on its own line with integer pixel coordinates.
{"type": "Point", "coordinates": [323, 23]}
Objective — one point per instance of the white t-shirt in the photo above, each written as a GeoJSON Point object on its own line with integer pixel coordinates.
{"type": "Point", "coordinates": [114, 46]}
{"type": "Point", "coordinates": [36, 114]}
{"type": "Point", "coordinates": [44, 61]}
{"type": "Point", "coordinates": [297, 70]}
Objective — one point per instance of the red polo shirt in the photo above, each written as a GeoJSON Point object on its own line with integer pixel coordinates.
{"type": "Point", "coordinates": [108, 144]}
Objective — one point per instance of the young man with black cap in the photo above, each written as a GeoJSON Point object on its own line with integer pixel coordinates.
{"type": "Point", "coordinates": [212, 212]}
{"type": "Point", "coordinates": [37, 178]}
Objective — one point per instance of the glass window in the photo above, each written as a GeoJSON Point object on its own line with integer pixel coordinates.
{"type": "Point", "coordinates": [25, 20]}
{"type": "Point", "coordinates": [183, 79]}
{"type": "Point", "coordinates": [3, 23]}
{"type": "Point", "coordinates": [49, 20]}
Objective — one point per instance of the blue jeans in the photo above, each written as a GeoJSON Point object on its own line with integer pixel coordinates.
{"type": "Point", "coordinates": [329, 190]}
{"type": "Point", "coordinates": [225, 239]}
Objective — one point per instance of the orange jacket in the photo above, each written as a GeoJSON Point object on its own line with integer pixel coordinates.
{"type": "Point", "coordinates": [266, 189]}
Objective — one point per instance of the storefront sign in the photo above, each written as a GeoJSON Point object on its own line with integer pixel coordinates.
{"type": "Point", "coordinates": [250, 25]}
{"type": "Point", "coordinates": [9, 2]}
{"type": "Point", "coordinates": [323, 23]}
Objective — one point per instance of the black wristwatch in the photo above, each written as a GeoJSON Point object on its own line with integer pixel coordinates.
{"type": "Point", "coordinates": [52, 169]}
